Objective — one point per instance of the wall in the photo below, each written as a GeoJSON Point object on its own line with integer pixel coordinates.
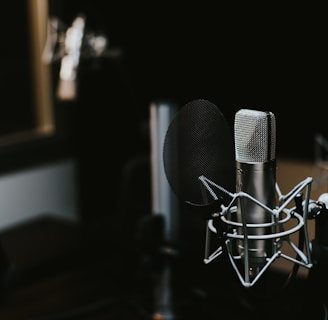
{"type": "Point", "coordinates": [47, 189]}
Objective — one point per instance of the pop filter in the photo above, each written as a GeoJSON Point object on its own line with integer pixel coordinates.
{"type": "Point", "coordinates": [198, 142]}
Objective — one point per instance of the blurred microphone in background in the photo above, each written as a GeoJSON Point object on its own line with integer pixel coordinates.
{"type": "Point", "coordinates": [67, 86]}
{"type": "Point", "coordinates": [70, 45]}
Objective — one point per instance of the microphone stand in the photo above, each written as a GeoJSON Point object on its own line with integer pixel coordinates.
{"type": "Point", "coordinates": [163, 306]}
{"type": "Point", "coordinates": [318, 276]}
{"type": "Point", "coordinates": [165, 205]}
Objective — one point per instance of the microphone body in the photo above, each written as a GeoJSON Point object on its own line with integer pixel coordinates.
{"type": "Point", "coordinates": [255, 133]}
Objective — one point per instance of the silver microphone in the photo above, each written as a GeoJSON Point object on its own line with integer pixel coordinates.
{"type": "Point", "coordinates": [255, 148]}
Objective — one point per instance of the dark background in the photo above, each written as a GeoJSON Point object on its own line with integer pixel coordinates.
{"type": "Point", "coordinates": [236, 57]}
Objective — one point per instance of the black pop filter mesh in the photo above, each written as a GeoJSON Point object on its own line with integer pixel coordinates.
{"type": "Point", "coordinates": [199, 142]}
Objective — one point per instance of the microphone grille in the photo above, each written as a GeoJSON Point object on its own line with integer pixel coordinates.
{"type": "Point", "coordinates": [255, 136]}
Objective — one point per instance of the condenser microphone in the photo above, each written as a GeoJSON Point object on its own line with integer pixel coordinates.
{"type": "Point", "coordinates": [255, 148]}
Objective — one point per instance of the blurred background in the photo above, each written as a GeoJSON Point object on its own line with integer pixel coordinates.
{"type": "Point", "coordinates": [77, 81]}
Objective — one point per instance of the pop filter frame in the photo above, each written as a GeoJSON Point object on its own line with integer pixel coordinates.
{"type": "Point", "coordinates": [198, 142]}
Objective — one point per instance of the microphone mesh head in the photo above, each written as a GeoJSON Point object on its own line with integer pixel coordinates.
{"type": "Point", "coordinates": [255, 136]}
